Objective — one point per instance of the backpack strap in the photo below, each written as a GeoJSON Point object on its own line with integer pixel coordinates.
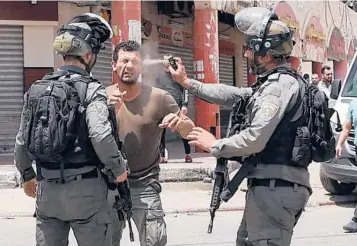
{"type": "Point", "coordinates": [57, 74]}
{"type": "Point", "coordinates": [81, 83]}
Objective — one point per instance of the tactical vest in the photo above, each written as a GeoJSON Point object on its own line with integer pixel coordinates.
{"type": "Point", "coordinates": [279, 148]}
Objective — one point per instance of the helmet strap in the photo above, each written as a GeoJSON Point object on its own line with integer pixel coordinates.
{"type": "Point", "coordinates": [88, 67]}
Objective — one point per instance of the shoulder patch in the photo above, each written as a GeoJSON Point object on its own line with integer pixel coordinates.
{"type": "Point", "coordinates": [101, 110]}
{"type": "Point", "coordinates": [269, 109]}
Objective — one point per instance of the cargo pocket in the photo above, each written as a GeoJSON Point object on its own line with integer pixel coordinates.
{"type": "Point", "coordinates": [155, 228]}
{"type": "Point", "coordinates": [295, 203]}
{"type": "Point", "coordinates": [265, 238]}
{"type": "Point", "coordinates": [104, 222]}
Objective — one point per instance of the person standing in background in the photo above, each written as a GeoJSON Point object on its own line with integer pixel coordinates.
{"type": "Point", "coordinates": [306, 77]}
{"type": "Point", "coordinates": [314, 79]}
{"type": "Point", "coordinates": [165, 82]}
{"type": "Point", "coordinates": [326, 81]}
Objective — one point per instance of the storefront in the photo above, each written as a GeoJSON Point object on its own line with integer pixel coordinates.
{"type": "Point", "coordinates": [226, 76]}
{"type": "Point", "coordinates": [287, 15]}
{"type": "Point", "coordinates": [103, 67]}
{"type": "Point", "coordinates": [11, 84]}
{"type": "Point", "coordinates": [26, 51]}
{"type": "Point", "coordinates": [313, 46]}
{"type": "Point", "coordinates": [336, 52]}
{"type": "Point", "coordinates": [178, 43]}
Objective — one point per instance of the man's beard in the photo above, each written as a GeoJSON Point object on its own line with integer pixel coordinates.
{"type": "Point", "coordinates": [254, 70]}
{"type": "Point", "coordinates": [129, 80]}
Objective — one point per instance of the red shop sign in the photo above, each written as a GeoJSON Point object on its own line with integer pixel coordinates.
{"type": "Point", "coordinates": [336, 49]}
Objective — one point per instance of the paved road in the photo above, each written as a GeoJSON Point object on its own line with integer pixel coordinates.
{"type": "Point", "coordinates": [319, 226]}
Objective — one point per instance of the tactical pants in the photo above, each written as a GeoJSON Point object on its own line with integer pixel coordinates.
{"type": "Point", "coordinates": [148, 215]}
{"type": "Point", "coordinates": [270, 215]}
{"type": "Point", "coordinates": [81, 205]}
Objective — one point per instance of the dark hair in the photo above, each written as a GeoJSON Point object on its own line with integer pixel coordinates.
{"type": "Point", "coordinates": [325, 67]}
{"type": "Point", "coordinates": [306, 76]}
{"type": "Point", "coordinates": [129, 45]}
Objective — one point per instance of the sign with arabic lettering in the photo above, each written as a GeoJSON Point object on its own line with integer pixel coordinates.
{"type": "Point", "coordinates": [287, 15]}
{"type": "Point", "coordinates": [313, 47]}
{"type": "Point", "coordinates": [177, 37]}
{"type": "Point", "coordinates": [314, 32]}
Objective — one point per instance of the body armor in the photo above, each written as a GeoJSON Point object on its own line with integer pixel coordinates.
{"type": "Point", "coordinates": [287, 135]}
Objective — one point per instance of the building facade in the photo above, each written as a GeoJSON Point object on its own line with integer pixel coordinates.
{"type": "Point", "coordinates": [201, 32]}
{"type": "Point", "coordinates": [26, 53]}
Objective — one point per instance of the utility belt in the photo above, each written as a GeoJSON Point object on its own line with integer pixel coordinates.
{"type": "Point", "coordinates": [273, 183]}
{"type": "Point", "coordinates": [63, 166]}
{"type": "Point", "coordinates": [88, 175]}
{"type": "Point", "coordinates": [56, 165]}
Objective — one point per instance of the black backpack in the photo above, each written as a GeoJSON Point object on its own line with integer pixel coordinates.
{"type": "Point", "coordinates": [318, 114]}
{"type": "Point", "coordinates": [54, 115]}
{"type": "Point", "coordinates": [323, 142]}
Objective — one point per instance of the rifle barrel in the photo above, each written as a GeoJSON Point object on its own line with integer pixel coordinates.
{"type": "Point", "coordinates": [131, 234]}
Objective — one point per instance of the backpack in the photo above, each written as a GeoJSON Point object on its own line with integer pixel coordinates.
{"type": "Point", "coordinates": [318, 115]}
{"type": "Point", "coordinates": [54, 115]}
{"type": "Point", "coordinates": [322, 139]}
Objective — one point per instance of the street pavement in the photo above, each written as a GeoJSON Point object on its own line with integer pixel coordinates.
{"type": "Point", "coordinates": [318, 226]}
{"type": "Point", "coordinates": [181, 197]}
{"type": "Point", "coordinates": [186, 206]}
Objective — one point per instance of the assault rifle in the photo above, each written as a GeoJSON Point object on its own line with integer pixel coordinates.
{"type": "Point", "coordinates": [123, 203]}
{"type": "Point", "coordinates": [223, 189]}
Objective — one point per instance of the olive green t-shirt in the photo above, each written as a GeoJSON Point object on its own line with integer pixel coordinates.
{"type": "Point", "coordinates": [138, 122]}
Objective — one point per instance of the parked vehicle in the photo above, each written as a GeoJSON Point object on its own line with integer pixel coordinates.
{"type": "Point", "coordinates": [339, 176]}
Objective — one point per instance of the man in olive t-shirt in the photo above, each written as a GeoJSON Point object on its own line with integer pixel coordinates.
{"type": "Point", "coordinates": [142, 114]}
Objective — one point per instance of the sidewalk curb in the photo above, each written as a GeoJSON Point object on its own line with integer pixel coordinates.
{"type": "Point", "coordinates": [204, 210]}
{"type": "Point", "coordinates": [11, 179]}
{"type": "Point", "coordinates": [173, 172]}
{"type": "Point", "coordinates": [193, 210]}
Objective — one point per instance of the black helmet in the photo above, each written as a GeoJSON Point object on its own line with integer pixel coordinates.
{"type": "Point", "coordinates": [83, 34]}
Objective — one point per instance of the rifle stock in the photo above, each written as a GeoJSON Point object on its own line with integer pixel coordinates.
{"type": "Point", "coordinates": [221, 183]}
{"type": "Point", "coordinates": [123, 203]}
{"type": "Point", "coordinates": [221, 173]}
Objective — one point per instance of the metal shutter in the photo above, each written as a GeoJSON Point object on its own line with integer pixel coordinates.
{"type": "Point", "coordinates": [102, 70]}
{"type": "Point", "coordinates": [245, 72]}
{"type": "Point", "coordinates": [226, 76]}
{"type": "Point", "coordinates": [186, 54]}
{"type": "Point", "coordinates": [226, 70]}
{"type": "Point", "coordinates": [11, 85]}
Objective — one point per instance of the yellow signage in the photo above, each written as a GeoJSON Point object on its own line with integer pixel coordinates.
{"type": "Point", "coordinates": [314, 35]}
{"type": "Point", "coordinates": [291, 23]}
{"type": "Point", "coordinates": [104, 14]}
